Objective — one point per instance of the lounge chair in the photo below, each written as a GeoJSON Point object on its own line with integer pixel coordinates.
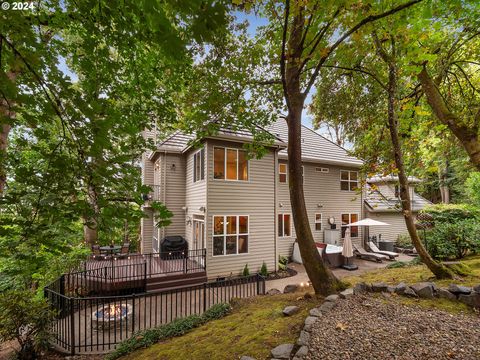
{"type": "Point", "coordinates": [364, 254]}
{"type": "Point", "coordinates": [392, 255]}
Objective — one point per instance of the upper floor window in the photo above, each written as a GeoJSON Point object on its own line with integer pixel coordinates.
{"type": "Point", "coordinates": [284, 225]}
{"type": "Point", "coordinates": [230, 164]}
{"type": "Point", "coordinates": [230, 235]}
{"type": "Point", "coordinates": [348, 180]}
{"type": "Point", "coordinates": [199, 165]}
{"type": "Point", "coordinates": [318, 222]}
{"type": "Point", "coordinates": [282, 173]}
{"type": "Point", "coordinates": [349, 219]}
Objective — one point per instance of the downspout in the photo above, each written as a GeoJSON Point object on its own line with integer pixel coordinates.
{"type": "Point", "coordinates": [164, 190]}
{"type": "Point", "coordinates": [275, 215]}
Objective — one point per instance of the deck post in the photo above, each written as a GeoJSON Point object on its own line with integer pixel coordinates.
{"type": "Point", "coordinates": [204, 297]}
{"type": "Point", "coordinates": [72, 327]}
{"type": "Point", "coordinates": [145, 276]}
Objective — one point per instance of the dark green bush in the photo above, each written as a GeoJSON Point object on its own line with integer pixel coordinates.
{"type": "Point", "coordinates": [246, 270]}
{"type": "Point", "coordinates": [282, 263]}
{"type": "Point", "coordinates": [454, 240]}
{"type": "Point", "coordinates": [452, 213]}
{"type": "Point", "coordinates": [178, 327]}
{"type": "Point", "coordinates": [264, 270]}
{"type": "Point", "coordinates": [26, 319]}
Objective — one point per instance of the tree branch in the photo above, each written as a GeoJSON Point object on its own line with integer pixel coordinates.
{"type": "Point", "coordinates": [360, 70]}
{"type": "Point", "coordinates": [283, 56]}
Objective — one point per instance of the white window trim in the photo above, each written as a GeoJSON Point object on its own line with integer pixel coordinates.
{"type": "Point", "coordinates": [350, 221]}
{"type": "Point", "coordinates": [194, 163]}
{"type": "Point", "coordinates": [286, 173]}
{"type": "Point", "coordinates": [318, 222]}
{"type": "Point", "coordinates": [237, 234]}
{"type": "Point", "coordinates": [225, 165]}
{"type": "Point", "coordinates": [283, 227]}
{"type": "Point", "coordinates": [349, 181]}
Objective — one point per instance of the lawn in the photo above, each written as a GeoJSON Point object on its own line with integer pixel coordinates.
{"type": "Point", "coordinates": [253, 328]}
{"type": "Point", "coordinates": [418, 273]}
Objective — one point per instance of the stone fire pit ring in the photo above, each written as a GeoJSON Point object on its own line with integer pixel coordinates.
{"type": "Point", "coordinates": [112, 315]}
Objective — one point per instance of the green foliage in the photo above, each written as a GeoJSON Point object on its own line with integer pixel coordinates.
{"type": "Point", "coordinates": [25, 318]}
{"type": "Point", "coordinates": [282, 263]}
{"type": "Point", "coordinates": [472, 188]}
{"type": "Point", "coordinates": [451, 213]}
{"type": "Point", "coordinates": [246, 271]}
{"type": "Point", "coordinates": [404, 241]}
{"type": "Point", "coordinates": [264, 270]}
{"type": "Point", "coordinates": [163, 216]}
{"type": "Point", "coordinates": [176, 328]}
{"type": "Point", "coordinates": [401, 264]}
{"type": "Point", "coordinates": [454, 240]}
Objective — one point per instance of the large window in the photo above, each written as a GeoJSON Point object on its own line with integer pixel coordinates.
{"type": "Point", "coordinates": [199, 165]}
{"type": "Point", "coordinates": [230, 235]}
{"type": "Point", "coordinates": [348, 219]}
{"type": "Point", "coordinates": [348, 180]}
{"type": "Point", "coordinates": [282, 173]}
{"type": "Point", "coordinates": [284, 225]}
{"type": "Point", "coordinates": [230, 164]}
{"type": "Point", "coordinates": [318, 222]}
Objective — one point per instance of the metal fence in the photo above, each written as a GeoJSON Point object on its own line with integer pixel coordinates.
{"type": "Point", "coordinates": [79, 329]}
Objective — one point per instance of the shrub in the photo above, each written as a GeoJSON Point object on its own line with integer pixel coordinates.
{"type": "Point", "coordinates": [472, 187]}
{"type": "Point", "coordinates": [404, 241]}
{"type": "Point", "coordinates": [282, 263]}
{"type": "Point", "coordinates": [454, 240]}
{"type": "Point", "coordinates": [26, 319]}
{"type": "Point", "coordinates": [402, 264]}
{"type": "Point", "coordinates": [264, 270]}
{"type": "Point", "coordinates": [178, 327]}
{"type": "Point", "coordinates": [246, 270]}
{"type": "Point", "coordinates": [451, 213]}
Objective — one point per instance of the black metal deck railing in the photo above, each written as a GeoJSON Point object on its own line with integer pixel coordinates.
{"type": "Point", "coordinates": [76, 331]}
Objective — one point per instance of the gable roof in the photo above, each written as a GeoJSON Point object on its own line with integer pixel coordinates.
{"type": "Point", "coordinates": [315, 147]}
{"type": "Point", "coordinates": [378, 202]}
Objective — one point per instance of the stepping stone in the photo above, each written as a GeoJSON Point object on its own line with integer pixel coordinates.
{"type": "Point", "coordinates": [333, 297]}
{"type": "Point", "coordinates": [409, 292]}
{"type": "Point", "coordinates": [361, 288]}
{"type": "Point", "coordinates": [379, 287]}
{"type": "Point", "coordinates": [282, 351]}
{"type": "Point", "coordinates": [290, 288]}
{"type": "Point", "coordinates": [472, 300]}
{"type": "Point", "coordinates": [290, 310]}
{"type": "Point", "coordinates": [315, 312]}
{"type": "Point", "coordinates": [345, 294]}
{"type": "Point", "coordinates": [327, 306]}
{"type": "Point", "coordinates": [400, 288]}
{"type": "Point", "coordinates": [301, 352]}
{"type": "Point", "coordinates": [458, 289]}
{"type": "Point", "coordinates": [309, 321]}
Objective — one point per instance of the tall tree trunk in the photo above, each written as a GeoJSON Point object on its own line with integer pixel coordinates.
{"type": "Point", "coordinates": [443, 185]}
{"type": "Point", "coordinates": [439, 270]}
{"type": "Point", "coordinates": [468, 136]}
{"type": "Point", "coordinates": [323, 280]}
{"type": "Point", "coordinates": [90, 222]}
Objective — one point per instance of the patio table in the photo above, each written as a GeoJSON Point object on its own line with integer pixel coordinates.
{"type": "Point", "coordinates": [110, 249]}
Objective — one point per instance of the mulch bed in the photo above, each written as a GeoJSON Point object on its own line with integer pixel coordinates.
{"type": "Point", "coordinates": [366, 327]}
{"type": "Point", "coordinates": [281, 274]}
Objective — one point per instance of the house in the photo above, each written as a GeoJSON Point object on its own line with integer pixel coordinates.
{"type": "Point", "coordinates": [238, 209]}
{"type": "Point", "coordinates": [382, 203]}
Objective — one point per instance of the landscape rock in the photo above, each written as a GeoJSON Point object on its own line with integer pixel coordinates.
{"type": "Point", "coordinates": [346, 293]}
{"type": "Point", "coordinates": [290, 310]}
{"type": "Point", "coordinates": [379, 287]}
{"type": "Point", "coordinates": [290, 289]}
{"type": "Point", "coordinates": [309, 321]}
{"type": "Point", "coordinates": [327, 306]}
{"type": "Point", "coordinates": [476, 289]}
{"type": "Point", "coordinates": [360, 288]}
{"type": "Point", "coordinates": [273, 292]}
{"type": "Point", "coordinates": [423, 289]}
{"type": "Point", "coordinates": [472, 300]}
{"type": "Point", "coordinates": [246, 358]}
{"type": "Point", "coordinates": [400, 288]}
{"type": "Point", "coordinates": [390, 289]}
{"type": "Point", "coordinates": [282, 351]}
{"type": "Point", "coordinates": [332, 297]}
{"type": "Point", "coordinates": [445, 294]}
{"type": "Point", "coordinates": [315, 312]}
{"type": "Point", "coordinates": [459, 289]}
{"type": "Point", "coordinates": [303, 339]}
{"type": "Point", "coordinates": [301, 352]}
{"type": "Point", "coordinates": [409, 292]}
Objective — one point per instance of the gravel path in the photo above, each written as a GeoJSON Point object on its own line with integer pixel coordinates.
{"type": "Point", "coordinates": [372, 328]}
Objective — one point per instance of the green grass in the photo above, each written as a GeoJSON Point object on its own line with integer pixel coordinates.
{"type": "Point", "coordinates": [253, 328]}
{"type": "Point", "coordinates": [418, 273]}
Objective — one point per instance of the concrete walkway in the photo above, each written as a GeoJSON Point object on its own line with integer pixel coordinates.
{"type": "Point", "coordinates": [302, 277]}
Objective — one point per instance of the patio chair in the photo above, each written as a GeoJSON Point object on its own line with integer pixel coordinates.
{"type": "Point", "coordinates": [124, 251]}
{"type": "Point", "coordinates": [96, 254]}
{"type": "Point", "coordinates": [392, 255]}
{"type": "Point", "coordinates": [364, 254]}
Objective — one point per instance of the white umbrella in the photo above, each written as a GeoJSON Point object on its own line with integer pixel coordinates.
{"type": "Point", "coordinates": [347, 250]}
{"type": "Point", "coordinates": [367, 222]}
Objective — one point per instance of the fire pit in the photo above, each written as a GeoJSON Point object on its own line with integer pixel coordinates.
{"type": "Point", "coordinates": [112, 315]}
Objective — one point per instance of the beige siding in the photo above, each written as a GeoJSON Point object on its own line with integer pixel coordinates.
{"type": "Point", "coordinates": [196, 197]}
{"type": "Point", "coordinates": [391, 232]}
{"type": "Point", "coordinates": [322, 195]}
{"type": "Point", "coordinates": [146, 232]}
{"type": "Point", "coordinates": [174, 189]}
{"type": "Point", "coordinates": [254, 198]}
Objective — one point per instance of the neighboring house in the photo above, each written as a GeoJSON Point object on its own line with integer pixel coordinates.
{"type": "Point", "coordinates": [239, 209]}
{"type": "Point", "coordinates": [382, 203]}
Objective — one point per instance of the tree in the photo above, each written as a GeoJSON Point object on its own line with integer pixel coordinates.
{"type": "Point", "coordinates": [310, 32]}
